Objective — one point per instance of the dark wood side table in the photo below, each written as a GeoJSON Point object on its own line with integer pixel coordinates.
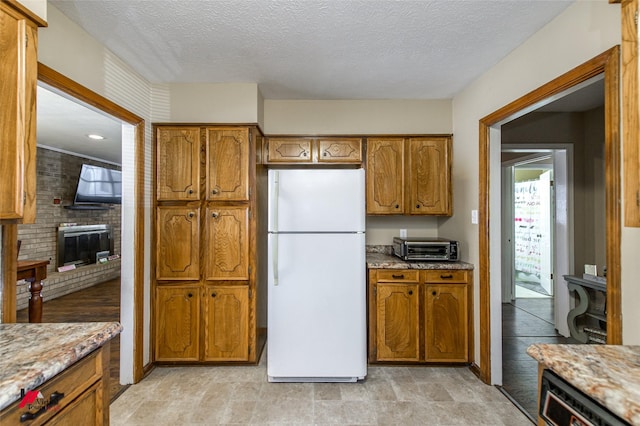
{"type": "Point", "coordinates": [34, 271]}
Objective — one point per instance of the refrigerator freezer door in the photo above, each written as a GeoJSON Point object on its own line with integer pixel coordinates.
{"type": "Point", "coordinates": [316, 200]}
{"type": "Point", "coordinates": [317, 312]}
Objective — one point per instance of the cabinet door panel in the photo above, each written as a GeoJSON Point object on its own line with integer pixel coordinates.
{"type": "Point", "coordinates": [178, 245]}
{"type": "Point", "coordinates": [178, 163]}
{"type": "Point", "coordinates": [429, 183]}
{"type": "Point", "coordinates": [227, 323]}
{"type": "Point", "coordinates": [385, 181]}
{"type": "Point", "coordinates": [177, 323]}
{"type": "Point", "coordinates": [228, 164]}
{"type": "Point", "coordinates": [348, 150]}
{"type": "Point", "coordinates": [227, 246]}
{"type": "Point", "coordinates": [289, 150]}
{"type": "Point", "coordinates": [446, 322]}
{"type": "Point", "coordinates": [397, 322]}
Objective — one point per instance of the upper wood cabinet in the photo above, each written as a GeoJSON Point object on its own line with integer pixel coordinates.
{"type": "Point", "coordinates": [429, 176]}
{"type": "Point", "coordinates": [410, 176]}
{"type": "Point", "coordinates": [227, 243]}
{"type": "Point", "coordinates": [178, 243]}
{"type": "Point", "coordinates": [18, 81]}
{"type": "Point", "coordinates": [311, 150]}
{"type": "Point", "coordinates": [178, 163]}
{"type": "Point", "coordinates": [385, 176]}
{"type": "Point", "coordinates": [227, 164]}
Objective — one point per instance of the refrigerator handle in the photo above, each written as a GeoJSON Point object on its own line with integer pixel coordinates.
{"type": "Point", "coordinates": [274, 258]}
{"type": "Point", "coordinates": [275, 194]}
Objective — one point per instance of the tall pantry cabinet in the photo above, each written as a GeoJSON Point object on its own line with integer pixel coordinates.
{"type": "Point", "coordinates": [207, 301]}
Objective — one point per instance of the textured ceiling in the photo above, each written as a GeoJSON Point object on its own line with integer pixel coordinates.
{"type": "Point", "coordinates": [316, 49]}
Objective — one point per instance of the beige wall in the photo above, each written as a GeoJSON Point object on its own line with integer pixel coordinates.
{"type": "Point", "coordinates": [341, 117]}
{"type": "Point", "coordinates": [584, 30]}
{"type": "Point", "coordinates": [39, 7]}
{"type": "Point", "coordinates": [214, 103]}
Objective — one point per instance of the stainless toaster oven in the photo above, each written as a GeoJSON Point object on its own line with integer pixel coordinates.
{"type": "Point", "coordinates": [426, 249]}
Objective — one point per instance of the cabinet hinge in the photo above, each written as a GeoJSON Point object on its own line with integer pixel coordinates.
{"type": "Point", "coordinates": [635, 17]}
{"type": "Point", "coordinates": [250, 135]}
{"type": "Point", "coordinates": [375, 290]}
{"type": "Point", "coordinates": [250, 294]}
{"type": "Point", "coordinates": [26, 40]}
{"type": "Point", "coordinates": [249, 350]}
{"type": "Point", "coordinates": [638, 198]}
{"type": "Point", "coordinates": [249, 269]}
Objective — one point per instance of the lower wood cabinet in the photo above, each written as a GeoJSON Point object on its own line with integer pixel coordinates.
{"type": "Point", "coordinates": [177, 323]}
{"type": "Point", "coordinates": [227, 323]}
{"type": "Point", "coordinates": [83, 396]}
{"type": "Point", "coordinates": [419, 316]}
{"type": "Point", "coordinates": [216, 315]}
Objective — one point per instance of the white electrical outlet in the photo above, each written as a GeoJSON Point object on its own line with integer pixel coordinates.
{"type": "Point", "coordinates": [474, 217]}
{"type": "Point", "coordinates": [403, 233]}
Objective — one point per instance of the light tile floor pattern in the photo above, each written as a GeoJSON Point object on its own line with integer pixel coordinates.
{"type": "Point", "coordinates": [210, 395]}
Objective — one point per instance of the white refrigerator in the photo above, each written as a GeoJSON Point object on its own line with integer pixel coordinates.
{"type": "Point", "coordinates": [317, 276]}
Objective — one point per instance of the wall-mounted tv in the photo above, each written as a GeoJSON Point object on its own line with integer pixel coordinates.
{"type": "Point", "coordinates": [98, 185]}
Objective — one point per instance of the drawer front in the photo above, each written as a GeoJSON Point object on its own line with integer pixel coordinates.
{"type": "Point", "coordinates": [289, 151]}
{"type": "Point", "coordinates": [399, 275]}
{"type": "Point", "coordinates": [445, 276]}
{"type": "Point", "coordinates": [340, 150]}
{"type": "Point", "coordinates": [83, 411]}
{"type": "Point", "coordinates": [71, 382]}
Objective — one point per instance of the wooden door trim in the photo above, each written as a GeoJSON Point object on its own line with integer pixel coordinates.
{"type": "Point", "coordinates": [76, 90]}
{"type": "Point", "coordinates": [607, 63]}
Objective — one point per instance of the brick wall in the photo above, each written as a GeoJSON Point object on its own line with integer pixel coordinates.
{"type": "Point", "coordinates": [57, 177]}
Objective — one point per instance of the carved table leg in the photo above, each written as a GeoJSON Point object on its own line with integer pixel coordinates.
{"type": "Point", "coordinates": [35, 302]}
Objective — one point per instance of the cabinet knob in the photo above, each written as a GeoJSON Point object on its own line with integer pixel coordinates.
{"type": "Point", "coordinates": [191, 214]}
{"type": "Point", "coordinates": [324, 154]}
{"type": "Point", "coordinates": [446, 277]}
{"type": "Point", "coordinates": [215, 214]}
{"type": "Point", "coordinates": [190, 295]}
{"type": "Point", "coordinates": [433, 292]}
{"type": "Point", "coordinates": [305, 154]}
{"type": "Point", "coordinates": [417, 206]}
{"type": "Point", "coordinates": [214, 191]}
{"type": "Point", "coordinates": [190, 191]}
{"type": "Point", "coordinates": [410, 292]}
{"type": "Point", "coordinates": [213, 295]}
{"type": "Point", "coordinates": [397, 206]}
{"type": "Point", "coordinates": [397, 277]}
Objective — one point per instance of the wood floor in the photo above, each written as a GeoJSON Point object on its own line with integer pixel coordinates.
{"type": "Point", "coordinates": [94, 304]}
{"type": "Point", "coordinates": [524, 322]}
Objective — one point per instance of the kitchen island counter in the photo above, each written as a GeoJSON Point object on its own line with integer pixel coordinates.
{"type": "Point", "coordinates": [386, 261]}
{"type": "Point", "coordinates": [609, 374]}
{"type": "Point", "coordinates": [31, 354]}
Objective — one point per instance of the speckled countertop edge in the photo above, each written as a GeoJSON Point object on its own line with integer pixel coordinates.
{"type": "Point", "coordinates": [385, 261]}
{"type": "Point", "coordinates": [609, 374]}
{"type": "Point", "coordinates": [31, 354]}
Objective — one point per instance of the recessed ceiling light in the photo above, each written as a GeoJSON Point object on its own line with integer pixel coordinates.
{"type": "Point", "coordinates": [96, 137]}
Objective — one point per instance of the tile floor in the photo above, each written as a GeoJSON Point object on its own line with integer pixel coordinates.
{"type": "Point", "coordinates": [241, 395]}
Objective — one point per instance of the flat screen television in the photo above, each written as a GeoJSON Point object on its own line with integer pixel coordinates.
{"type": "Point", "coordinates": [98, 185]}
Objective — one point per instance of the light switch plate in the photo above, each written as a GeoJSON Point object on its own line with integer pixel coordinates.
{"type": "Point", "coordinates": [474, 217]}
{"type": "Point", "coordinates": [403, 233]}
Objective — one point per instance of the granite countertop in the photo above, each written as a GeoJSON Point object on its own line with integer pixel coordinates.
{"type": "Point", "coordinates": [385, 261]}
{"type": "Point", "coordinates": [31, 354]}
{"type": "Point", "coordinates": [609, 374]}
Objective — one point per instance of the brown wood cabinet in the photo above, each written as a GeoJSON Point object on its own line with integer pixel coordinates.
{"type": "Point", "coordinates": [18, 85]}
{"type": "Point", "coordinates": [177, 323]}
{"type": "Point", "coordinates": [419, 316]}
{"type": "Point", "coordinates": [313, 150]}
{"type": "Point", "coordinates": [206, 253]}
{"type": "Point", "coordinates": [178, 147]}
{"type": "Point", "coordinates": [85, 400]}
{"type": "Point", "coordinates": [410, 176]}
{"type": "Point", "coordinates": [227, 329]}
{"type": "Point", "coordinates": [178, 247]}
